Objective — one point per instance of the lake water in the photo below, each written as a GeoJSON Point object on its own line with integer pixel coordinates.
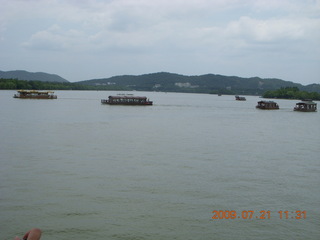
{"type": "Point", "coordinates": [78, 169]}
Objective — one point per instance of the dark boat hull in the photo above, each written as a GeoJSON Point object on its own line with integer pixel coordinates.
{"type": "Point", "coordinates": [36, 97]}
{"type": "Point", "coordinates": [267, 108]}
{"type": "Point", "coordinates": [304, 110]}
{"type": "Point", "coordinates": [127, 103]}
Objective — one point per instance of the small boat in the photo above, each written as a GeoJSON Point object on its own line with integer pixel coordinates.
{"type": "Point", "coordinates": [267, 105]}
{"type": "Point", "coordinates": [127, 100]}
{"type": "Point", "coordinates": [35, 94]}
{"type": "Point", "coordinates": [306, 106]}
{"type": "Point", "coordinates": [238, 98]}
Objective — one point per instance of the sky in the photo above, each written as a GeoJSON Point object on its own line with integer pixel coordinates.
{"type": "Point", "coordinates": [89, 39]}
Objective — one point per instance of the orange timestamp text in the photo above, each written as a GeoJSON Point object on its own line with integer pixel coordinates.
{"type": "Point", "coordinates": [251, 214]}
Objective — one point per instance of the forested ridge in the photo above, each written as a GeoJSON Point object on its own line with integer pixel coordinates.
{"type": "Point", "coordinates": [208, 83]}
{"type": "Point", "coordinates": [169, 82]}
{"type": "Point", "coordinates": [291, 93]}
{"type": "Point", "coordinates": [30, 76]}
{"type": "Point", "coordinates": [15, 84]}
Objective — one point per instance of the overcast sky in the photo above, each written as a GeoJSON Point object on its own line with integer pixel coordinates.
{"type": "Point", "coordinates": [86, 39]}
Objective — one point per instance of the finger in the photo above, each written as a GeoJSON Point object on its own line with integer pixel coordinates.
{"type": "Point", "coordinates": [34, 234]}
{"type": "Point", "coordinates": [26, 235]}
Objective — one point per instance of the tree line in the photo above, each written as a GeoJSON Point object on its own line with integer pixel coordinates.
{"type": "Point", "coordinates": [291, 93]}
{"type": "Point", "coordinates": [15, 84]}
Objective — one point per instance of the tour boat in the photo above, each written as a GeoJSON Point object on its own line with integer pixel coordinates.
{"type": "Point", "coordinates": [35, 94]}
{"type": "Point", "coordinates": [127, 100]}
{"type": "Point", "coordinates": [267, 105]}
{"type": "Point", "coordinates": [240, 98]}
{"type": "Point", "coordinates": [305, 106]}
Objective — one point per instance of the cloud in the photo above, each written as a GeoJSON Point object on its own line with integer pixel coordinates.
{"type": "Point", "coordinates": [202, 31]}
{"type": "Point", "coordinates": [270, 30]}
{"type": "Point", "coordinates": [55, 38]}
{"type": "Point", "coordinates": [140, 24]}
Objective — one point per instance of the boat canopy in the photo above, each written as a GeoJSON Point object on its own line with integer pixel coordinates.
{"type": "Point", "coordinates": [34, 91]}
{"type": "Point", "coordinates": [306, 103]}
{"type": "Point", "coordinates": [126, 97]}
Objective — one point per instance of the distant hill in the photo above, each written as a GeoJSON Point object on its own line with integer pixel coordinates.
{"type": "Point", "coordinates": [164, 82]}
{"type": "Point", "coordinates": [208, 83]}
{"type": "Point", "coordinates": [30, 76]}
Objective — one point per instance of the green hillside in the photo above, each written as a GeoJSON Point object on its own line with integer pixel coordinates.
{"type": "Point", "coordinates": [30, 76]}
{"type": "Point", "coordinates": [209, 83]}
{"type": "Point", "coordinates": [164, 82]}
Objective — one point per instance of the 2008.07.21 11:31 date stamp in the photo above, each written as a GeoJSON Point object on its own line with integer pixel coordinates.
{"type": "Point", "coordinates": [251, 214]}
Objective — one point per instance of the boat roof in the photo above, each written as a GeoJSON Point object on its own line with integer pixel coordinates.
{"type": "Point", "coordinates": [307, 102]}
{"type": "Point", "coordinates": [267, 101]}
{"type": "Point", "coordinates": [34, 91]}
{"type": "Point", "coordinates": [125, 96]}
